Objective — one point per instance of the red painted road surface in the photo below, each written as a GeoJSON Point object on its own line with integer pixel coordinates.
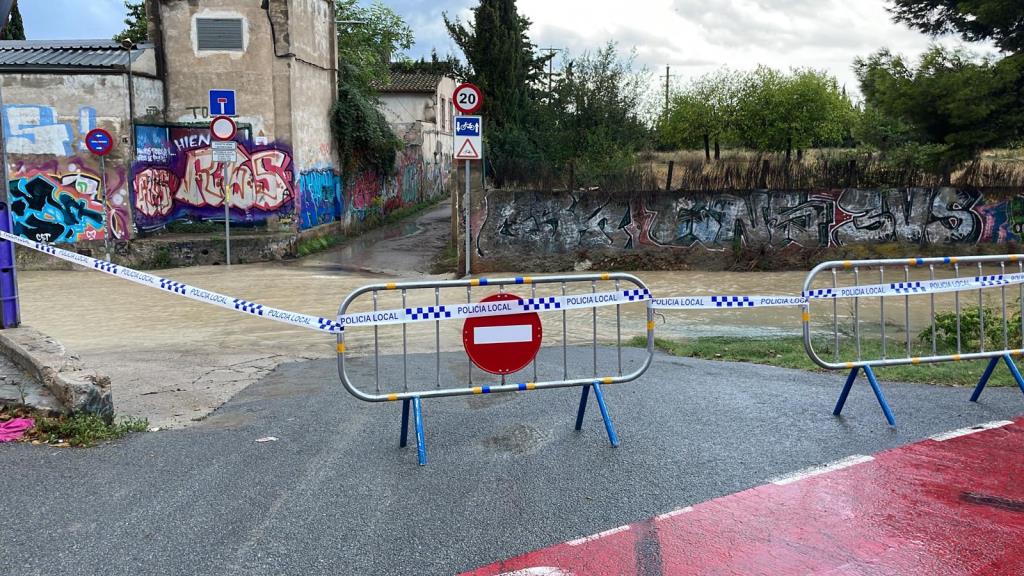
{"type": "Point", "coordinates": [952, 507]}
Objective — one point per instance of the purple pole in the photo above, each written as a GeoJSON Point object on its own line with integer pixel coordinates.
{"type": "Point", "coordinates": [10, 308]}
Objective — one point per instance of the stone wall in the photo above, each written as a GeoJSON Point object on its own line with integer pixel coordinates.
{"type": "Point", "coordinates": [559, 230]}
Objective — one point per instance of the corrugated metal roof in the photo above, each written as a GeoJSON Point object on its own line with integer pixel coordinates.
{"type": "Point", "coordinates": [412, 82]}
{"type": "Point", "coordinates": [66, 53]}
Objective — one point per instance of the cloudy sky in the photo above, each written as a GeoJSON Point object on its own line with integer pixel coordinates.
{"type": "Point", "coordinates": [691, 36]}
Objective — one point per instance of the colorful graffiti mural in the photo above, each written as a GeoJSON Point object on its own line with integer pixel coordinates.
{"type": "Point", "coordinates": [562, 222]}
{"type": "Point", "coordinates": [55, 202]}
{"type": "Point", "coordinates": [321, 200]}
{"type": "Point", "coordinates": [177, 178]}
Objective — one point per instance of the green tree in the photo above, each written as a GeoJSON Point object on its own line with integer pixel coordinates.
{"type": "Point", "coordinates": [1001, 21]}
{"type": "Point", "coordinates": [782, 112]}
{"type": "Point", "coordinates": [369, 39]}
{"type": "Point", "coordinates": [954, 102]}
{"type": "Point", "coordinates": [593, 118]}
{"type": "Point", "coordinates": [704, 113]}
{"type": "Point", "coordinates": [137, 23]}
{"type": "Point", "coordinates": [501, 60]}
{"type": "Point", "coordinates": [15, 28]}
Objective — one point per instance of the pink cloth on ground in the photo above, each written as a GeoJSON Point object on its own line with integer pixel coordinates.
{"type": "Point", "coordinates": [15, 428]}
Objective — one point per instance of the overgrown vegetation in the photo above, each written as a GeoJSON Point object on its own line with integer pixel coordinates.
{"type": "Point", "coordinates": [788, 352]}
{"type": "Point", "coordinates": [318, 244]}
{"type": "Point", "coordinates": [969, 328]}
{"type": "Point", "coordinates": [78, 430]}
{"type": "Point", "coordinates": [368, 39]}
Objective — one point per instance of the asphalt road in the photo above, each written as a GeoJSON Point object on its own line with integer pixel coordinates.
{"type": "Point", "coordinates": [507, 474]}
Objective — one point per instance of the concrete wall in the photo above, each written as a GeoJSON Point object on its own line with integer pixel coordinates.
{"type": "Point", "coordinates": [56, 183]}
{"type": "Point", "coordinates": [558, 230]}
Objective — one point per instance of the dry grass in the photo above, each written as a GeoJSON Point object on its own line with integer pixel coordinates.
{"type": "Point", "coordinates": [746, 170]}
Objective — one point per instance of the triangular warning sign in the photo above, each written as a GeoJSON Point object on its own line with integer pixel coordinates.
{"type": "Point", "coordinates": [470, 154]}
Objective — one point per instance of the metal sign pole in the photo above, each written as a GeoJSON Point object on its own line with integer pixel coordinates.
{"type": "Point", "coordinates": [227, 215]}
{"type": "Point", "coordinates": [106, 206]}
{"type": "Point", "coordinates": [469, 228]}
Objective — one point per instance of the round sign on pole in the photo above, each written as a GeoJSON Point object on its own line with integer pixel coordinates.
{"type": "Point", "coordinates": [99, 141]}
{"type": "Point", "coordinates": [223, 128]}
{"type": "Point", "coordinates": [467, 98]}
{"type": "Point", "coordinates": [502, 344]}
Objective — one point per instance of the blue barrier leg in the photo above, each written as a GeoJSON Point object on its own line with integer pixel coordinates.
{"type": "Point", "coordinates": [879, 395]}
{"type": "Point", "coordinates": [1015, 371]}
{"type": "Point", "coordinates": [612, 436]}
{"type": "Point", "coordinates": [846, 392]}
{"type": "Point", "coordinates": [405, 424]}
{"type": "Point", "coordinates": [583, 407]}
{"type": "Point", "coordinates": [10, 308]}
{"type": "Point", "coordinates": [421, 445]}
{"type": "Point", "coordinates": [984, 379]}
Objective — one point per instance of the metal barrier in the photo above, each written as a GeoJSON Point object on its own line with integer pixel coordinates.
{"type": "Point", "coordinates": [421, 305]}
{"type": "Point", "coordinates": [916, 280]}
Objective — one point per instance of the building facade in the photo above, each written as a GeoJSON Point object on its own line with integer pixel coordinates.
{"type": "Point", "coordinates": [270, 64]}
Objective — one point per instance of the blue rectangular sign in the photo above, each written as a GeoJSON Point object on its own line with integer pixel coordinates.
{"type": "Point", "coordinates": [467, 126]}
{"type": "Point", "coordinates": [222, 103]}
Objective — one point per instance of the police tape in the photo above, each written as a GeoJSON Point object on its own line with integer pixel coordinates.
{"type": "Point", "coordinates": [719, 302]}
{"type": "Point", "coordinates": [181, 289]}
{"type": "Point", "coordinates": [917, 287]}
{"type": "Point", "coordinates": [334, 326]}
{"type": "Point", "coordinates": [494, 308]}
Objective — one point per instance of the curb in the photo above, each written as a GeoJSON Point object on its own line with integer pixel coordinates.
{"type": "Point", "coordinates": [62, 373]}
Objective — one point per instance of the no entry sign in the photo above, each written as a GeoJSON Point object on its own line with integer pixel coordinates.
{"type": "Point", "coordinates": [502, 344]}
{"type": "Point", "coordinates": [99, 141]}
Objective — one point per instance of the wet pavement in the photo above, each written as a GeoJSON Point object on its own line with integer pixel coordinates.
{"type": "Point", "coordinates": [507, 473]}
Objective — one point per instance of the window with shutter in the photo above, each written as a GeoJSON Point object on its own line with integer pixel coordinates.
{"type": "Point", "coordinates": [219, 34]}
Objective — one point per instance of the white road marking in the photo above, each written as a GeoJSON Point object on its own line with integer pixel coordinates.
{"type": "Point", "coordinates": [823, 469]}
{"type": "Point", "coordinates": [970, 430]}
{"type": "Point", "coordinates": [673, 513]}
{"type": "Point", "coordinates": [503, 334]}
{"type": "Point", "coordinates": [597, 536]}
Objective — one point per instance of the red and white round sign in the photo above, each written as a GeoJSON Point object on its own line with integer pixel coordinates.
{"type": "Point", "coordinates": [467, 98]}
{"type": "Point", "coordinates": [502, 344]}
{"type": "Point", "coordinates": [223, 128]}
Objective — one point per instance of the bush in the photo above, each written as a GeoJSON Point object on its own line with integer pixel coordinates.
{"type": "Point", "coordinates": [970, 329]}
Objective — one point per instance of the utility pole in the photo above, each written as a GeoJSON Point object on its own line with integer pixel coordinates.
{"type": "Point", "coordinates": [668, 79]}
{"type": "Point", "coordinates": [551, 64]}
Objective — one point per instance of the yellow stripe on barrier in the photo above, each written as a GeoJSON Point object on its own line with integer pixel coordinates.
{"type": "Point", "coordinates": [391, 286]}
{"type": "Point", "coordinates": [650, 325]}
{"type": "Point", "coordinates": [915, 360]}
{"type": "Point", "coordinates": [605, 276]}
{"type": "Point", "coordinates": [807, 316]}
{"type": "Point", "coordinates": [341, 348]}
{"type": "Point", "coordinates": [1014, 258]}
{"type": "Point", "coordinates": [912, 261]}
{"type": "Point", "coordinates": [478, 390]}
{"type": "Point", "coordinates": [474, 282]}
{"type": "Point", "coordinates": [847, 264]}
{"type": "Point", "coordinates": [849, 365]}
{"type": "Point", "coordinates": [956, 358]}
{"type": "Point", "coordinates": [607, 380]}
{"type": "Point", "coordinates": [531, 386]}
{"type": "Point", "coordinates": [392, 397]}
{"type": "Point", "coordinates": [527, 280]}
{"type": "Point", "coordinates": [952, 260]}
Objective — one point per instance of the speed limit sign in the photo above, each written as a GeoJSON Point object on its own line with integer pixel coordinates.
{"type": "Point", "coordinates": [468, 98]}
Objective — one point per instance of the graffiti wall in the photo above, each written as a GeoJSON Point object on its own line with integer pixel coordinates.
{"type": "Point", "coordinates": [175, 177]}
{"type": "Point", "coordinates": [326, 197]}
{"type": "Point", "coordinates": [321, 201]}
{"type": "Point", "coordinates": [56, 186]}
{"type": "Point", "coordinates": [562, 222]}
